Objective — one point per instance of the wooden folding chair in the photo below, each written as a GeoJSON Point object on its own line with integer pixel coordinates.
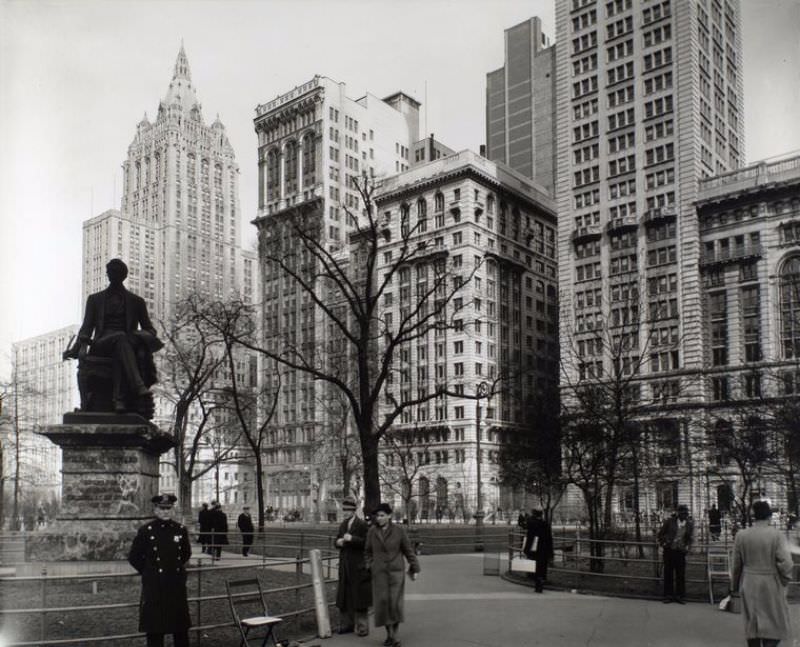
{"type": "Point", "coordinates": [248, 593]}
{"type": "Point", "coordinates": [718, 561]}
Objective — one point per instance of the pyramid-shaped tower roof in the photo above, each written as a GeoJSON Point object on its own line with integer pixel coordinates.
{"type": "Point", "coordinates": [181, 92]}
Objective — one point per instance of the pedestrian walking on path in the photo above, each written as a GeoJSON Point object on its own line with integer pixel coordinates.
{"type": "Point", "coordinates": [675, 537]}
{"type": "Point", "coordinates": [386, 547]}
{"type": "Point", "coordinates": [245, 524]}
{"type": "Point", "coordinates": [159, 554]}
{"type": "Point", "coordinates": [218, 527]}
{"type": "Point", "coordinates": [538, 546]}
{"type": "Point", "coordinates": [204, 525]}
{"type": "Point", "coordinates": [762, 568]}
{"type": "Point", "coordinates": [353, 593]}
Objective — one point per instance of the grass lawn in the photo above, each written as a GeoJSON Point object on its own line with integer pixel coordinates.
{"type": "Point", "coordinates": [126, 590]}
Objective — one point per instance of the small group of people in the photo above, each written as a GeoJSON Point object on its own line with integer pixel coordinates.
{"type": "Point", "coordinates": [372, 571]}
{"type": "Point", "coordinates": [213, 526]}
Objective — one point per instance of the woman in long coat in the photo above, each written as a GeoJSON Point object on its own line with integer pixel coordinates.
{"type": "Point", "coordinates": [385, 548]}
{"type": "Point", "coordinates": [762, 567]}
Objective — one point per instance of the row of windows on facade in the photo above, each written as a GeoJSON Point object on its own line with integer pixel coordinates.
{"type": "Point", "coordinates": [657, 11]}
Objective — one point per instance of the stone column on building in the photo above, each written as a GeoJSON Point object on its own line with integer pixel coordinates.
{"type": "Point", "coordinates": [262, 180]}
{"type": "Point", "coordinates": [300, 168]}
{"type": "Point", "coordinates": [282, 176]}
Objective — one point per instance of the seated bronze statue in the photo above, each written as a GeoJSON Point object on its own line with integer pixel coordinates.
{"type": "Point", "coordinates": [115, 344]}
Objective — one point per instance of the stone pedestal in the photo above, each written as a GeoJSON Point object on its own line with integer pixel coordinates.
{"type": "Point", "coordinates": [109, 474]}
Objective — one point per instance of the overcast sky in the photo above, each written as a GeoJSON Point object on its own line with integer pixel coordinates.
{"type": "Point", "coordinates": [77, 76]}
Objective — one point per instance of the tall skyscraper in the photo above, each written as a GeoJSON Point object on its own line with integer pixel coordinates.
{"type": "Point", "coordinates": [520, 105]}
{"type": "Point", "coordinates": [649, 102]}
{"type": "Point", "coordinates": [313, 142]}
{"type": "Point", "coordinates": [179, 227]}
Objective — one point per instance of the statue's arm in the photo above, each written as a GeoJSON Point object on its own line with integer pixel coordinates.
{"type": "Point", "coordinates": [87, 327]}
{"type": "Point", "coordinates": [144, 319]}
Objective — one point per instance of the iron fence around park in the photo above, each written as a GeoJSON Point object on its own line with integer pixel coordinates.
{"type": "Point", "coordinates": [631, 567]}
{"type": "Point", "coordinates": [28, 625]}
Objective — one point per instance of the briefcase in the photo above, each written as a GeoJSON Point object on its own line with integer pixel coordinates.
{"type": "Point", "coordinates": [523, 565]}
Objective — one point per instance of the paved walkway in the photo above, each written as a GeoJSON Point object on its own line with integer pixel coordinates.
{"type": "Point", "coordinates": [452, 603]}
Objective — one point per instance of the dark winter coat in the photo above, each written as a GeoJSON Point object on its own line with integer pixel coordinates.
{"type": "Point", "coordinates": [218, 527]}
{"type": "Point", "coordinates": [204, 522]}
{"type": "Point", "coordinates": [245, 524]}
{"type": "Point", "coordinates": [354, 591]}
{"type": "Point", "coordinates": [159, 553]}
{"type": "Point", "coordinates": [668, 535]}
{"type": "Point", "coordinates": [538, 529]}
{"type": "Point", "coordinates": [384, 553]}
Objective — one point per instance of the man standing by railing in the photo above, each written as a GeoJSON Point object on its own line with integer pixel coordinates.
{"type": "Point", "coordinates": [675, 537]}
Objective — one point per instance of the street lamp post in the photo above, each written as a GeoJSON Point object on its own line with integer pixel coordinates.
{"type": "Point", "coordinates": [481, 391]}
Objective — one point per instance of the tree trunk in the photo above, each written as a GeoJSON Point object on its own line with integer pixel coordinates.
{"type": "Point", "coordinates": [260, 490]}
{"type": "Point", "coordinates": [2, 488]}
{"type": "Point", "coordinates": [185, 496]}
{"type": "Point", "coordinates": [372, 485]}
{"type": "Point", "coordinates": [636, 511]}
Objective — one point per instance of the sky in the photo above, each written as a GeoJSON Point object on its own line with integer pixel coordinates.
{"type": "Point", "coordinates": [76, 76]}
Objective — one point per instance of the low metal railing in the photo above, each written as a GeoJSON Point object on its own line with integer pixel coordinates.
{"type": "Point", "coordinates": [205, 566]}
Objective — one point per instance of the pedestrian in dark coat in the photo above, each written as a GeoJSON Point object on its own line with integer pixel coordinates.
{"type": "Point", "coordinates": [386, 546]}
{"type": "Point", "coordinates": [538, 546]}
{"type": "Point", "coordinates": [245, 524]}
{"type": "Point", "coordinates": [353, 593]}
{"type": "Point", "coordinates": [218, 522]}
{"type": "Point", "coordinates": [204, 524]}
{"type": "Point", "coordinates": [762, 568]}
{"type": "Point", "coordinates": [675, 537]}
{"type": "Point", "coordinates": [159, 553]}
{"type": "Point", "coordinates": [714, 523]}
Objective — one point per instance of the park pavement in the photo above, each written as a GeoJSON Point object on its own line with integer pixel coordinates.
{"type": "Point", "coordinates": [453, 603]}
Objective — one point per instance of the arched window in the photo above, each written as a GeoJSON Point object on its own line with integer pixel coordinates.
{"type": "Point", "coordinates": [273, 174]}
{"type": "Point", "coordinates": [441, 493]}
{"type": "Point", "coordinates": [789, 282]}
{"type": "Point", "coordinates": [404, 217]}
{"type": "Point", "coordinates": [290, 167]}
{"type": "Point", "coordinates": [422, 215]}
{"type": "Point", "coordinates": [309, 160]}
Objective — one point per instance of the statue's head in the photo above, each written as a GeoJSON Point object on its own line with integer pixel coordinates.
{"type": "Point", "coordinates": [117, 271]}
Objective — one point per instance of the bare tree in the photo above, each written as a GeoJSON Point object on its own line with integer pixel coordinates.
{"type": "Point", "coordinates": [192, 382]}
{"type": "Point", "coordinates": [347, 293]}
{"type": "Point", "coordinates": [531, 461]}
{"type": "Point", "coordinates": [605, 417]}
{"type": "Point", "coordinates": [251, 408]}
{"type": "Point", "coordinates": [405, 454]}
{"type": "Point", "coordinates": [337, 454]}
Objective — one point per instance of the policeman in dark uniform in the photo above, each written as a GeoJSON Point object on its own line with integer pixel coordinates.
{"type": "Point", "coordinates": [159, 553]}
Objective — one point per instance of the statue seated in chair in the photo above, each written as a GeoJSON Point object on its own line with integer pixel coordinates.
{"type": "Point", "coordinates": [114, 349]}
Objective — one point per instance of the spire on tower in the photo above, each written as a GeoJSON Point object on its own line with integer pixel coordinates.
{"type": "Point", "coordinates": [182, 66]}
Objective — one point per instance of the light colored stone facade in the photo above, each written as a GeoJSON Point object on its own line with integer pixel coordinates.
{"type": "Point", "coordinates": [470, 218]}
{"type": "Point", "coordinates": [649, 102]}
{"type": "Point", "coordinates": [313, 141]}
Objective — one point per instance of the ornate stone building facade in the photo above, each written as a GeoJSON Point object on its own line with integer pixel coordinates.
{"type": "Point", "coordinates": [489, 228]}
{"type": "Point", "coordinates": [649, 98]}
{"type": "Point", "coordinates": [313, 143]}
{"type": "Point", "coordinates": [179, 231]}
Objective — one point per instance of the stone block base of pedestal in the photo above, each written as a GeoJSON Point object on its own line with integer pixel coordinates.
{"type": "Point", "coordinates": [109, 475]}
{"type": "Point", "coordinates": [84, 540]}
